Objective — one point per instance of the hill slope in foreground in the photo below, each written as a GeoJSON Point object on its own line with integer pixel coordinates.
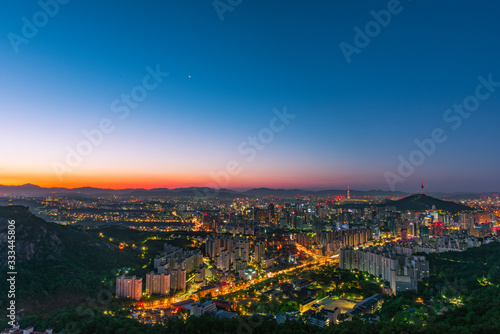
{"type": "Point", "coordinates": [421, 202]}
{"type": "Point", "coordinates": [56, 265]}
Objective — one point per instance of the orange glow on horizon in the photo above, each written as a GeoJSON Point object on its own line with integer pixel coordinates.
{"type": "Point", "coordinates": [105, 181]}
{"type": "Point", "coordinates": [150, 180]}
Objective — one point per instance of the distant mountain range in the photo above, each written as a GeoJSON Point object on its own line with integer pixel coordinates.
{"type": "Point", "coordinates": [32, 190]}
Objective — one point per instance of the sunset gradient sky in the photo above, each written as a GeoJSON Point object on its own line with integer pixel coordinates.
{"type": "Point", "coordinates": [351, 123]}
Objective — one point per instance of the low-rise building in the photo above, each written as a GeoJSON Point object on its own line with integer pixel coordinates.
{"type": "Point", "coordinates": [30, 330]}
{"type": "Point", "coordinates": [198, 308]}
{"type": "Point", "coordinates": [306, 304]}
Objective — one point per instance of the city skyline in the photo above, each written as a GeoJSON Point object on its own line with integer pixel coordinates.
{"type": "Point", "coordinates": [187, 94]}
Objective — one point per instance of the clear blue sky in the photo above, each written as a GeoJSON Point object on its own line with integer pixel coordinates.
{"type": "Point", "coordinates": [352, 121]}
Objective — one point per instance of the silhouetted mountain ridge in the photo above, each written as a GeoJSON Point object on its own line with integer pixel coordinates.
{"type": "Point", "coordinates": [31, 190]}
{"type": "Point", "coordinates": [421, 202]}
{"type": "Point", "coordinates": [57, 265]}
{"type": "Point", "coordinates": [37, 239]}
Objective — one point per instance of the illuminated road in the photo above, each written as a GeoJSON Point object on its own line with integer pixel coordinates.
{"type": "Point", "coordinates": [191, 293]}
{"type": "Point", "coordinates": [318, 260]}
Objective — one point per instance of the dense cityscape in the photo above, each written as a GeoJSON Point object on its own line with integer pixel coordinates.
{"type": "Point", "coordinates": [319, 261]}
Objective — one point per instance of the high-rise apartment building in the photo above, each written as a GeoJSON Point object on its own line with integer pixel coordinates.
{"type": "Point", "coordinates": [158, 284]}
{"type": "Point", "coordinates": [129, 287]}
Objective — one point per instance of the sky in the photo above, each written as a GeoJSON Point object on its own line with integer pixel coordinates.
{"type": "Point", "coordinates": [242, 94]}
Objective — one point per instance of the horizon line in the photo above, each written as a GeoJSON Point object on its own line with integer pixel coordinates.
{"type": "Point", "coordinates": [244, 189]}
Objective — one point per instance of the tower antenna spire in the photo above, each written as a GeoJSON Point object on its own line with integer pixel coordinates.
{"type": "Point", "coordinates": [422, 185]}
